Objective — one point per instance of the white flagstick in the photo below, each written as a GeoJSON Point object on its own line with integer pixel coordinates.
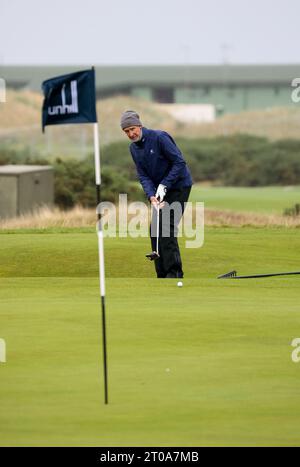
{"type": "Point", "coordinates": [97, 155]}
{"type": "Point", "coordinates": [101, 256]}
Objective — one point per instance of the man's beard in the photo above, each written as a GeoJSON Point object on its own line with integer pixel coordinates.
{"type": "Point", "coordinates": [138, 138]}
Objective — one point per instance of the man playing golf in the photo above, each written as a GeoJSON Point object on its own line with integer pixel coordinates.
{"type": "Point", "coordinates": [164, 176]}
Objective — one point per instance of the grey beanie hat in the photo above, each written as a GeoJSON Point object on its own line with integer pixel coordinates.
{"type": "Point", "coordinates": [130, 118]}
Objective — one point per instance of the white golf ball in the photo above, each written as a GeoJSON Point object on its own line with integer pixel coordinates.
{"type": "Point", "coordinates": [179, 284]}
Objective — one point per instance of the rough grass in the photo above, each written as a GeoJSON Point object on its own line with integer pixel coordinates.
{"type": "Point", "coordinates": [224, 206]}
{"type": "Point", "coordinates": [45, 218]}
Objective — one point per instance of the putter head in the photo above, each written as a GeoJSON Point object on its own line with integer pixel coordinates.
{"type": "Point", "coordinates": [152, 256]}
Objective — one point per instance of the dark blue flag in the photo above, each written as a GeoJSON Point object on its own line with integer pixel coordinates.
{"type": "Point", "coordinates": [70, 99]}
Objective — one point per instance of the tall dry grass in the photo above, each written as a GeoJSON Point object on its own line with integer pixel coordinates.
{"type": "Point", "coordinates": [243, 219]}
{"type": "Point", "coordinates": [46, 217]}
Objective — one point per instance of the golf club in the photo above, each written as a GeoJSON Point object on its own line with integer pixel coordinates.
{"type": "Point", "coordinates": [154, 254]}
{"type": "Point", "coordinates": [233, 275]}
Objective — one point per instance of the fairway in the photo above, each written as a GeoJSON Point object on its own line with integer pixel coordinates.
{"type": "Point", "coordinates": [264, 200]}
{"type": "Point", "coordinates": [207, 364]}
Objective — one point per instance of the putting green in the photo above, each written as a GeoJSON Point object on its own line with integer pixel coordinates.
{"type": "Point", "coordinates": [206, 364]}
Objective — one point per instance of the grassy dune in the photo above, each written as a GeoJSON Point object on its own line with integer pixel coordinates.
{"type": "Point", "coordinates": [20, 124]}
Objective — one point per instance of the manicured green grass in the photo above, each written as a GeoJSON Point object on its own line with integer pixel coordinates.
{"type": "Point", "coordinates": [75, 254]}
{"type": "Point", "coordinates": [272, 200]}
{"type": "Point", "coordinates": [206, 364]}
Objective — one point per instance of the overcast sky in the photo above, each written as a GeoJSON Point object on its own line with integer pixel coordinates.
{"type": "Point", "coordinates": [149, 31]}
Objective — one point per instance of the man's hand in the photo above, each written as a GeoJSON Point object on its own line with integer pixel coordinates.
{"type": "Point", "coordinates": [155, 202]}
{"type": "Point", "coordinates": [161, 192]}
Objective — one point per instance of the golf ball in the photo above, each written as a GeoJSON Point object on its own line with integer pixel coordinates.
{"type": "Point", "coordinates": [179, 284]}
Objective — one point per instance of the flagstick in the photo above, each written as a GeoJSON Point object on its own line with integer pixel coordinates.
{"type": "Point", "coordinates": [101, 255]}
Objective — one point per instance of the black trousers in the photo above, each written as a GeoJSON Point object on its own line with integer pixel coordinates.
{"type": "Point", "coordinates": [169, 263]}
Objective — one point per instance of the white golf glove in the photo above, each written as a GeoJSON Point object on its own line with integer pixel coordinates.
{"type": "Point", "coordinates": [161, 192]}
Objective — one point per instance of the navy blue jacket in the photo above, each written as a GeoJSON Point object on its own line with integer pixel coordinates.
{"type": "Point", "coordinates": [159, 160]}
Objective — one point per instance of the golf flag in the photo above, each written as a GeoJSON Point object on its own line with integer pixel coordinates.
{"type": "Point", "coordinates": [69, 99]}
{"type": "Point", "coordinates": [72, 99]}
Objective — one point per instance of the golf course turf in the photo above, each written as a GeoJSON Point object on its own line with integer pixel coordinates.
{"type": "Point", "coordinates": [266, 199]}
{"type": "Point", "coordinates": [203, 365]}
